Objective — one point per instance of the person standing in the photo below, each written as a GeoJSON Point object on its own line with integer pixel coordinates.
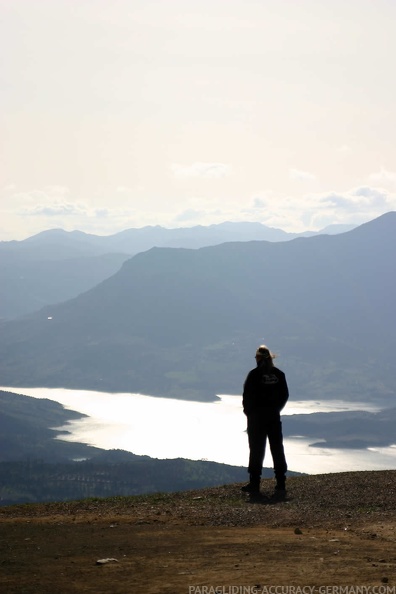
{"type": "Point", "coordinates": [265, 393]}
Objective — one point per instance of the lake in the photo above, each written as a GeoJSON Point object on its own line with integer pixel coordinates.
{"type": "Point", "coordinates": [170, 428]}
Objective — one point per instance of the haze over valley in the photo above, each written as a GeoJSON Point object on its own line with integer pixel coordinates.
{"type": "Point", "coordinates": [56, 265]}
{"type": "Point", "coordinates": [184, 323]}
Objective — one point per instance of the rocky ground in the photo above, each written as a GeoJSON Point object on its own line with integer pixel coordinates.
{"type": "Point", "coordinates": [334, 530]}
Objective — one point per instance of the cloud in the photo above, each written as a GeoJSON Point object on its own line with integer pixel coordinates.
{"type": "Point", "coordinates": [372, 195]}
{"type": "Point", "coordinates": [260, 201]}
{"type": "Point", "coordinates": [189, 215]}
{"type": "Point", "coordinates": [299, 175]}
{"type": "Point", "coordinates": [102, 213]}
{"type": "Point", "coordinates": [383, 178]}
{"type": "Point", "coordinates": [53, 202]}
{"type": "Point", "coordinates": [25, 213]}
{"type": "Point", "coordinates": [335, 200]}
{"type": "Point", "coordinates": [358, 198]}
{"type": "Point", "coordinates": [313, 211]}
{"type": "Point", "coordinates": [200, 169]}
{"type": "Point", "coordinates": [356, 206]}
{"type": "Point", "coordinates": [68, 210]}
{"type": "Point", "coordinates": [55, 209]}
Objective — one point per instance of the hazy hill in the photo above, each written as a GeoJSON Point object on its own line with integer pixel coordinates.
{"type": "Point", "coordinates": [28, 285]}
{"type": "Point", "coordinates": [57, 265]}
{"type": "Point", "coordinates": [27, 430]}
{"type": "Point", "coordinates": [185, 323]}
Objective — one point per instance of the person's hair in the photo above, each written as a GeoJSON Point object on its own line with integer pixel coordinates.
{"type": "Point", "coordinates": [266, 360]}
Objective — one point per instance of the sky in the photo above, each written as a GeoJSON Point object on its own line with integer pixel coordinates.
{"type": "Point", "coordinates": [126, 113]}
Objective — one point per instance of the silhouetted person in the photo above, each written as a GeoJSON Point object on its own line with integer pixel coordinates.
{"type": "Point", "coordinates": [265, 393]}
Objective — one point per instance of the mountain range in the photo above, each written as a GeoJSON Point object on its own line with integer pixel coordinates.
{"type": "Point", "coordinates": [185, 323]}
{"type": "Point", "coordinates": [56, 265]}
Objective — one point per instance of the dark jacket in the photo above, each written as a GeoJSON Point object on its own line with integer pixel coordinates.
{"type": "Point", "coordinates": [265, 392]}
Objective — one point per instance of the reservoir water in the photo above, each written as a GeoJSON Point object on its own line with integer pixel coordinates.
{"type": "Point", "coordinates": [170, 428]}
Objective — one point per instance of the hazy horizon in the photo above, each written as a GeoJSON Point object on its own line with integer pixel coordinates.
{"type": "Point", "coordinates": [170, 228]}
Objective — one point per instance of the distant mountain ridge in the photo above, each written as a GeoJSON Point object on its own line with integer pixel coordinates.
{"type": "Point", "coordinates": [185, 323]}
{"type": "Point", "coordinates": [57, 265]}
{"type": "Point", "coordinates": [58, 244]}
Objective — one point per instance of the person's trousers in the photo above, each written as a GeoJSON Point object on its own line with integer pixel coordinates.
{"type": "Point", "coordinates": [259, 429]}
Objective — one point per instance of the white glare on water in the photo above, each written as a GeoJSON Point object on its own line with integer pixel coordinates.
{"type": "Point", "coordinates": [171, 428]}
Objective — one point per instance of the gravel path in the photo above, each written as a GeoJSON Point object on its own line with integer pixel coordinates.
{"type": "Point", "coordinates": [333, 500]}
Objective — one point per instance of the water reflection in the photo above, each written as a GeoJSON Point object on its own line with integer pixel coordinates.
{"type": "Point", "coordinates": [170, 428]}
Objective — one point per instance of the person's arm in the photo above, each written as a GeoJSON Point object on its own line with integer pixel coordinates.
{"type": "Point", "coordinates": [247, 394]}
{"type": "Point", "coordinates": [283, 391]}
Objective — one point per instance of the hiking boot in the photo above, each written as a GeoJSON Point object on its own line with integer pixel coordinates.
{"type": "Point", "coordinates": [280, 486]}
{"type": "Point", "coordinates": [253, 485]}
{"type": "Point", "coordinates": [280, 490]}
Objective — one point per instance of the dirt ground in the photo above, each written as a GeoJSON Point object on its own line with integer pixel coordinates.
{"type": "Point", "coordinates": [206, 542]}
